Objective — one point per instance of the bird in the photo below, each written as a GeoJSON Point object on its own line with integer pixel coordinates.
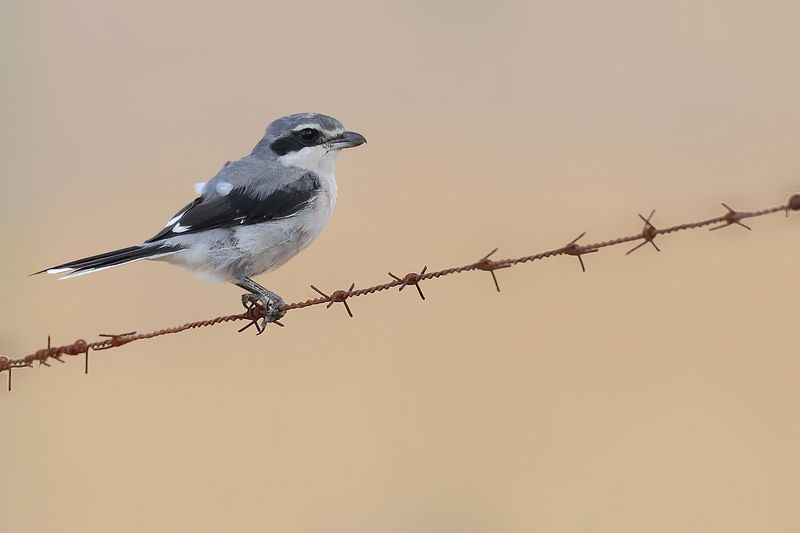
{"type": "Point", "coordinates": [253, 216]}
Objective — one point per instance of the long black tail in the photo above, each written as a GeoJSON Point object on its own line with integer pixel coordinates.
{"type": "Point", "coordinates": [99, 262]}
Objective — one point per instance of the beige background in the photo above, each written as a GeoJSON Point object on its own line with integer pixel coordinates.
{"type": "Point", "coordinates": [655, 393]}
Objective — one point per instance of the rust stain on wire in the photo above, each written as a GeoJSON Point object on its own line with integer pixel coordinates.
{"type": "Point", "coordinates": [253, 314]}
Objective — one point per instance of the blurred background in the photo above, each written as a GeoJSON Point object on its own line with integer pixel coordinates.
{"type": "Point", "coordinates": [656, 392]}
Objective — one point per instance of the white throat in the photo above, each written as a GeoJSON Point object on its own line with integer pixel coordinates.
{"type": "Point", "coordinates": [316, 159]}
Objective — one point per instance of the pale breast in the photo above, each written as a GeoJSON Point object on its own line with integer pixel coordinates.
{"type": "Point", "coordinates": [265, 247]}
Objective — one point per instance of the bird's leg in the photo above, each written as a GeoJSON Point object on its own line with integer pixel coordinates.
{"type": "Point", "coordinates": [259, 295]}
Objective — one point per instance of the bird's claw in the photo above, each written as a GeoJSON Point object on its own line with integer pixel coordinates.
{"type": "Point", "coordinates": [272, 306]}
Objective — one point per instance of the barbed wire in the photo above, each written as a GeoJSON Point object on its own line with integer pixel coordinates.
{"type": "Point", "coordinates": [254, 313]}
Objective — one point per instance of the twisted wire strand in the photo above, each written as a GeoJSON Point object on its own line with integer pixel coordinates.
{"type": "Point", "coordinates": [486, 264]}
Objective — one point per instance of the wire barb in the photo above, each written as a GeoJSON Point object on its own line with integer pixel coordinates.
{"type": "Point", "coordinates": [339, 296]}
{"type": "Point", "coordinates": [573, 248]}
{"type": "Point", "coordinates": [732, 217]}
{"type": "Point", "coordinates": [487, 265]}
{"type": "Point", "coordinates": [55, 356]}
{"type": "Point", "coordinates": [255, 312]}
{"type": "Point", "coordinates": [412, 278]}
{"type": "Point", "coordinates": [116, 339]}
{"type": "Point", "coordinates": [649, 233]}
{"type": "Point", "coordinates": [793, 203]}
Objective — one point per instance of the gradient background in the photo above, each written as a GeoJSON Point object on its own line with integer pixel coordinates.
{"type": "Point", "coordinates": [657, 392]}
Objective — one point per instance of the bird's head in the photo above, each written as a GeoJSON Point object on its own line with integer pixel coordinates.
{"type": "Point", "coordinates": [310, 141]}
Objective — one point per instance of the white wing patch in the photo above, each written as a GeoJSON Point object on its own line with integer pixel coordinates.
{"type": "Point", "coordinates": [180, 229]}
{"type": "Point", "coordinates": [199, 187]}
{"type": "Point", "coordinates": [174, 219]}
{"type": "Point", "coordinates": [224, 188]}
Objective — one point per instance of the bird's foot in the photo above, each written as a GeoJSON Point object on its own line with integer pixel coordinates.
{"type": "Point", "coordinates": [271, 311]}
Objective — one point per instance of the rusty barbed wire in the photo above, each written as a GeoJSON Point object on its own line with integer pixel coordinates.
{"type": "Point", "coordinates": [253, 314]}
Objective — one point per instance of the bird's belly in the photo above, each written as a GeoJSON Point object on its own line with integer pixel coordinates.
{"type": "Point", "coordinates": [260, 249]}
{"type": "Point", "coordinates": [265, 247]}
{"type": "Point", "coordinates": [229, 254]}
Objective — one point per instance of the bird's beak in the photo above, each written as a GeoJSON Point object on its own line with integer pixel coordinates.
{"type": "Point", "coordinates": [348, 139]}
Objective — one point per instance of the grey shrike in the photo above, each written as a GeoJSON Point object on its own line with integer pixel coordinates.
{"type": "Point", "coordinates": [253, 216]}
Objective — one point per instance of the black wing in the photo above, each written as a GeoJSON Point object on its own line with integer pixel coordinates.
{"type": "Point", "coordinates": [241, 207]}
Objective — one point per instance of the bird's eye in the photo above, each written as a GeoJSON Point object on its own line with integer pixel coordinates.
{"type": "Point", "coordinates": [308, 134]}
